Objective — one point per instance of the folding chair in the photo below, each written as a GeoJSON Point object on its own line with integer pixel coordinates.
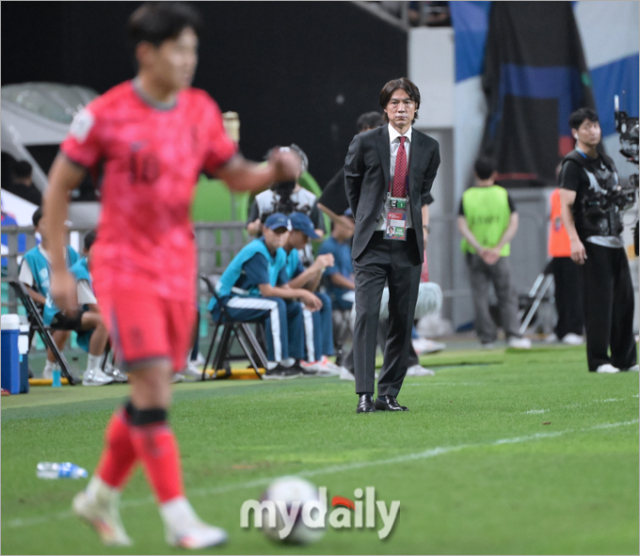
{"type": "Point", "coordinates": [531, 303]}
{"type": "Point", "coordinates": [35, 319]}
{"type": "Point", "coordinates": [231, 328]}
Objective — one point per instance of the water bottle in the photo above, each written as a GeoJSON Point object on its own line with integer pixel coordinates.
{"type": "Point", "coordinates": [67, 470]}
{"type": "Point", "coordinates": [56, 379]}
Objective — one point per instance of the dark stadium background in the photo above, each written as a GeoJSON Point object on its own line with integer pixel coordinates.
{"type": "Point", "coordinates": [283, 66]}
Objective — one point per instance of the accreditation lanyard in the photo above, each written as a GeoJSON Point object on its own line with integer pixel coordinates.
{"type": "Point", "coordinates": [395, 215]}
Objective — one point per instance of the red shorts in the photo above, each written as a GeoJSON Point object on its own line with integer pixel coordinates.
{"type": "Point", "coordinates": [145, 328]}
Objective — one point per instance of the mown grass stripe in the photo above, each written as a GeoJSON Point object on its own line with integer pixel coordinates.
{"type": "Point", "coordinates": [426, 454]}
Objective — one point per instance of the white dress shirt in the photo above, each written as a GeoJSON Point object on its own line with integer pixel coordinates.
{"type": "Point", "coordinates": [394, 144]}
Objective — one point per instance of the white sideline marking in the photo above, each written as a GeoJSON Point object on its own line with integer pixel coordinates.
{"type": "Point", "coordinates": [430, 453]}
{"type": "Point", "coordinates": [535, 411]}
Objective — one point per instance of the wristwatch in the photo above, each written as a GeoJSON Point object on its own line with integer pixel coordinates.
{"type": "Point", "coordinates": [427, 227]}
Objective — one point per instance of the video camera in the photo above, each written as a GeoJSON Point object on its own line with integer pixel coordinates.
{"type": "Point", "coordinates": [628, 131]}
{"type": "Point", "coordinates": [282, 191]}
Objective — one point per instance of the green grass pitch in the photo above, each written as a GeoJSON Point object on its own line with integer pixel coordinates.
{"type": "Point", "coordinates": [511, 453]}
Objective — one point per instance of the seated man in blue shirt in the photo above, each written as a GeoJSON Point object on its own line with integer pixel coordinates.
{"type": "Point", "coordinates": [339, 278]}
{"type": "Point", "coordinates": [254, 287]}
{"type": "Point", "coordinates": [87, 322]}
{"type": "Point", "coordinates": [34, 274]}
{"type": "Point", "coordinates": [318, 327]}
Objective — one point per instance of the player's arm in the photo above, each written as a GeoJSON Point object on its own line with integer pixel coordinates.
{"type": "Point", "coordinates": [342, 281]}
{"type": "Point", "coordinates": [509, 233]}
{"type": "Point", "coordinates": [64, 177]}
{"type": "Point", "coordinates": [354, 169]}
{"type": "Point", "coordinates": [26, 277]}
{"type": "Point", "coordinates": [463, 226]}
{"type": "Point", "coordinates": [241, 174]}
{"type": "Point", "coordinates": [567, 199]}
{"type": "Point", "coordinates": [309, 279]}
{"type": "Point", "coordinates": [569, 182]}
{"type": "Point", "coordinates": [311, 301]}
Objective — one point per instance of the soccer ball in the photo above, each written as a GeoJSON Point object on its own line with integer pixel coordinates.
{"type": "Point", "coordinates": [289, 490]}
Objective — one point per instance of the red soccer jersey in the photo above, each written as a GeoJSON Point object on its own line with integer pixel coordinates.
{"type": "Point", "coordinates": [151, 159]}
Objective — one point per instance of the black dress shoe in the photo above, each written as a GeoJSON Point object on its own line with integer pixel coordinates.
{"type": "Point", "coordinates": [365, 404]}
{"type": "Point", "coordinates": [389, 403]}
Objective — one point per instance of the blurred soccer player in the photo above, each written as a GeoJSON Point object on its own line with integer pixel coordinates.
{"type": "Point", "coordinates": [153, 136]}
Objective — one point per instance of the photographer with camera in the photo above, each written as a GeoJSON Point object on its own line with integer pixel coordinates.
{"type": "Point", "coordinates": [592, 205]}
{"type": "Point", "coordinates": [285, 198]}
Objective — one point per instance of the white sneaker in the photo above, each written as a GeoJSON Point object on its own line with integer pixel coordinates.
{"type": "Point", "coordinates": [328, 368]}
{"type": "Point", "coordinates": [488, 345]}
{"type": "Point", "coordinates": [177, 377]}
{"type": "Point", "coordinates": [633, 369]}
{"type": "Point", "coordinates": [417, 370]}
{"type": "Point", "coordinates": [572, 339]}
{"type": "Point", "coordinates": [551, 338]}
{"type": "Point", "coordinates": [47, 373]}
{"type": "Point", "coordinates": [191, 372]}
{"type": "Point", "coordinates": [95, 377]}
{"type": "Point", "coordinates": [424, 346]}
{"type": "Point", "coordinates": [101, 512]}
{"type": "Point", "coordinates": [116, 374]}
{"type": "Point", "coordinates": [519, 343]}
{"type": "Point", "coordinates": [607, 368]}
{"type": "Point", "coordinates": [183, 528]}
{"type": "Point", "coordinates": [346, 375]}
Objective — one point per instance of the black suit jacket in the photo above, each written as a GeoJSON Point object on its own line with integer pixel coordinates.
{"type": "Point", "coordinates": [367, 181]}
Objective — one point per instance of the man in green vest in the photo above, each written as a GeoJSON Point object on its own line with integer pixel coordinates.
{"type": "Point", "coordinates": [488, 221]}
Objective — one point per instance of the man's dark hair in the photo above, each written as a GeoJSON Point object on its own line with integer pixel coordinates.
{"type": "Point", "coordinates": [369, 120]}
{"type": "Point", "coordinates": [89, 239]}
{"type": "Point", "coordinates": [22, 169]}
{"type": "Point", "coordinates": [395, 84]}
{"type": "Point", "coordinates": [580, 115]}
{"type": "Point", "coordinates": [484, 167]}
{"type": "Point", "coordinates": [36, 217]}
{"type": "Point", "coordinates": [156, 22]}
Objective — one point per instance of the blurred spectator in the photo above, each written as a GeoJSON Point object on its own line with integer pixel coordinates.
{"type": "Point", "coordinates": [338, 279]}
{"type": "Point", "coordinates": [318, 327]}
{"type": "Point", "coordinates": [333, 201]}
{"type": "Point", "coordinates": [22, 183]}
{"type": "Point", "coordinates": [286, 198]}
{"type": "Point", "coordinates": [88, 323]}
{"type": "Point", "coordinates": [254, 288]}
{"type": "Point", "coordinates": [437, 14]}
{"type": "Point", "coordinates": [488, 221]}
{"type": "Point", "coordinates": [34, 274]}
{"type": "Point", "coordinates": [568, 280]}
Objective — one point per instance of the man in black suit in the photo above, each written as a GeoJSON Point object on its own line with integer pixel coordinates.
{"type": "Point", "coordinates": [388, 176]}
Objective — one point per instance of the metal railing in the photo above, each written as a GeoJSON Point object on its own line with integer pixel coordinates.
{"type": "Point", "coordinates": [217, 244]}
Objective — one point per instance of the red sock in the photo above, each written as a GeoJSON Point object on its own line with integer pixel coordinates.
{"type": "Point", "coordinates": [157, 449]}
{"type": "Point", "coordinates": [119, 455]}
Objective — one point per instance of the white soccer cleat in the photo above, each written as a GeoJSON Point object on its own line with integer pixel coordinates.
{"type": "Point", "coordinates": [519, 343]}
{"type": "Point", "coordinates": [191, 372]}
{"type": "Point", "coordinates": [197, 537]}
{"type": "Point", "coordinates": [417, 370]}
{"type": "Point", "coordinates": [184, 529]}
{"type": "Point", "coordinates": [101, 512]}
{"type": "Point", "coordinates": [346, 375]}
{"type": "Point", "coordinates": [423, 346]}
{"type": "Point", "coordinates": [607, 368]}
{"type": "Point", "coordinates": [327, 368]}
{"type": "Point", "coordinates": [572, 339]}
{"type": "Point", "coordinates": [95, 377]}
{"type": "Point", "coordinates": [116, 374]}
